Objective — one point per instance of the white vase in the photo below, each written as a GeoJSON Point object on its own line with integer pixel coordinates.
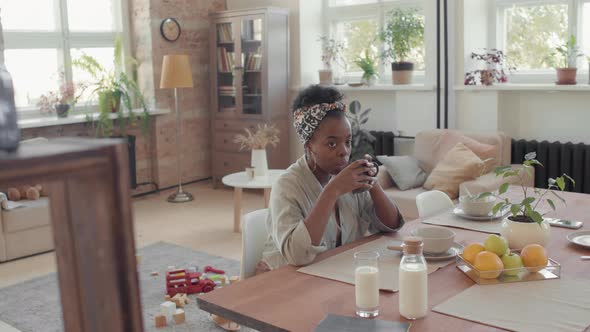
{"type": "Point", "coordinates": [519, 234]}
{"type": "Point", "coordinates": [259, 162]}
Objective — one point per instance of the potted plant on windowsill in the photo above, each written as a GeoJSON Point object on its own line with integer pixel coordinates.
{"type": "Point", "coordinates": [61, 100]}
{"type": "Point", "coordinates": [566, 66]}
{"type": "Point", "coordinates": [525, 224]}
{"type": "Point", "coordinates": [403, 32]}
{"type": "Point", "coordinates": [331, 53]}
{"type": "Point", "coordinates": [114, 88]}
{"type": "Point", "coordinates": [368, 65]}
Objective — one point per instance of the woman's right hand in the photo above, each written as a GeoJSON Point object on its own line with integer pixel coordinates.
{"type": "Point", "coordinates": [353, 177]}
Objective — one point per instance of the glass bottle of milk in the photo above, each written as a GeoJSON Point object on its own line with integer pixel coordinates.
{"type": "Point", "coordinates": [413, 280]}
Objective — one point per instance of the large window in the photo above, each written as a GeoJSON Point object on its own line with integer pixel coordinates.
{"type": "Point", "coordinates": [357, 23]}
{"type": "Point", "coordinates": [530, 30]}
{"type": "Point", "coordinates": [40, 44]}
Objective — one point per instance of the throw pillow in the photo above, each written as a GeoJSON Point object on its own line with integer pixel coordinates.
{"type": "Point", "coordinates": [458, 166]}
{"type": "Point", "coordinates": [404, 170]}
{"type": "Point", "coordinates": [486, 152]}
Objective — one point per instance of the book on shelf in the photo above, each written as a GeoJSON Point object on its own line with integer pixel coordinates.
{"type": "Point", "coordinates": [225, 60]}
{"type": "Point", "coordinates": [224, 33]}
{"type": "Point", "coordinates": [253, 61]}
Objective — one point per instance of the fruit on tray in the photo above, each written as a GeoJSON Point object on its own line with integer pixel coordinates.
{"type": "Point", "coordinates": [490, 266]}
{"type": "Point", "coordinates": [534, 257]}
{"type": "Point", "coordinates": [496, 244]}
{"type": "Point", "coordinates": [512, 264]}
{"type": "Point", "coordinates": [471, 251]}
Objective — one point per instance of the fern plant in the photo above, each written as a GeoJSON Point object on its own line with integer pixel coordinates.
{"type": "Point", "coordinates": [114, 88]}
{"type": "Point", "coordinates": [368, 66]}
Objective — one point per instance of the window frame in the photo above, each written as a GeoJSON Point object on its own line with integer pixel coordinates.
{"type": "Point", "coordinates": [66, 41]}
{"type": "Point", "coordinates": [497, 34]}
{"type": "Point", "coordinates": [379, 9]}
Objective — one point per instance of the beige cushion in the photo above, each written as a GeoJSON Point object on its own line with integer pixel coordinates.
{"type": "Point", "coordinates": [459, 165]}
{"type": "Point", "coordinates": [33, 214]}
{"type": "Point", "coordinates": [486, 152]}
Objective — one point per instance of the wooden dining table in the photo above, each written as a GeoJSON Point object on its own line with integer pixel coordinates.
{"type": "Point", "coordinates": [287, 300]}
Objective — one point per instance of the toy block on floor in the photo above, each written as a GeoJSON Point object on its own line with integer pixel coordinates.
{"type": "Point", "coordinates": [179, 316]}
{"type": "Point", "coordinates": [154, 273]}
{"type": "Point", "coordinates": [168, 309]}
{"type": "Point", "coordinates": [178, 299]}
{"type": "Point", "coordinates": [160, 320]}
{"type": "Point", "coordinates": [233, 279]}
{"type": "Point", "coordinates": [167, 298]}
{"type": "Point", "coordinates": [185, 297]}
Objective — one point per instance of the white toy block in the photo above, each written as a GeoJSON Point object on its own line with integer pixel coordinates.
{"type": "Point", "coordinates": [168, 309]}
{"type": "Point", "coordinates": [179, 316]}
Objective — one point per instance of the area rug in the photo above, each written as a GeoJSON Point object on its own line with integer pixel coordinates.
{"type": "Point", "coordinates": [34, 305]}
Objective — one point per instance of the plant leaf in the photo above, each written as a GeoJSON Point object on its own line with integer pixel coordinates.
{"type": "Point", "coordinates": [503, 188]}
{"type": "Point", "coordinates": [527, 201]}
{"type": "Point", "coordinates": [551, 203]}
{"type": "Point", "coordinates": [538, 218]}
{"type": "Point", "coordinates": [570, 178]}
{"type": "Point", "coordinates": [355, 105]}
{"type": "Point", "coordinates": [497, 207]}
{"type": "Point", "coordinates": [484, 194]}
{"type": "Point", "coordinates": [560, 183]}
{"type": "Point", "coordinates": [514, 209]}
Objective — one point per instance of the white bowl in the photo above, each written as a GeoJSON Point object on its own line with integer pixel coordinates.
{"type": "Point", "coordinates": [437, 240]}
{"type": "Point", "coordinates": [477, 206]}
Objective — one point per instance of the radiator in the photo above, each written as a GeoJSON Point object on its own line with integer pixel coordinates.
{"type": "Point", "coordinates": [558, 158]}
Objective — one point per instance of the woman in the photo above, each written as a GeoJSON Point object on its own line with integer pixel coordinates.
{"type": "Point", "coordinates": [312, 206]}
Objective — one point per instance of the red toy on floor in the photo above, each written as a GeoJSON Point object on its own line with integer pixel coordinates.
{"type": "Point", "coordinates": [183, 281]}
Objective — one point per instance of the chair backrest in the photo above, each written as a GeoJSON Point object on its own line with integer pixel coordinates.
{"type": "Point", "coordinates": [254, 235]}
{"type": "Point", "coordinates": [432, 202]}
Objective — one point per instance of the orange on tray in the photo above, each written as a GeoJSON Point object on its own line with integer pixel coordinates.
{"type": "Point", "coordinates": [534, 257]}
{"type": "Point", "coordinates": [488, 264]}
{"type": "Point", "coordinates": [471, 251]}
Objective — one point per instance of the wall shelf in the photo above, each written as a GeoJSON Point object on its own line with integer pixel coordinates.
{"type": "Point", "coordinates": [523, 87]}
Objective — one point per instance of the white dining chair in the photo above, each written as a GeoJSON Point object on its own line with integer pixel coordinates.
{"type": "Point", "coordinates": [432, 202]}
{"type": "Point", "coordinates": [254, 236]}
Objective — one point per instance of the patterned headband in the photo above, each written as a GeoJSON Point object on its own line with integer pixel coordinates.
{"type": "Point", "coordinates": [308, 118]}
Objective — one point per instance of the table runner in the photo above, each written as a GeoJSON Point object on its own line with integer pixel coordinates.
{"type": "Point", "coordinates": [550, 305]}
{"type": "Point", "coordinates": [341, 267]}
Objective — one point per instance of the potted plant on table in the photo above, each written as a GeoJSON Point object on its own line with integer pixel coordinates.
{"type": "Point", "coordinates": [331, 53]}
{"type": "Point", "coordinates": [257, 142]}
{"type": "Point", "coordinates": [403, 32]}
{"type": "Point", "coordinates": [113, 88]}
{"type": "Point", "coordinates": [525, 224]}
{"type": "Point", "coordinates": [566, 64]}
{"type": "Point", "coordinates": [368, 64]}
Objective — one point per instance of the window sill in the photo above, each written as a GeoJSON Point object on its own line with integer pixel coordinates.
{"type": "Point", "coordinates": [387, 87]}
{"type": "Point", "coordinates": [47, 121]}
{"type": "Point", "coordinates": [523, 87]}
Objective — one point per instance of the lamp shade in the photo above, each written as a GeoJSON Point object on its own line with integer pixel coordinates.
{"type": "Point", "coordinates": [176, 72]}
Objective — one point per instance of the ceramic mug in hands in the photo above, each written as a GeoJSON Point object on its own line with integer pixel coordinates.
{"type": "Point", "coordinates": [370, 162]}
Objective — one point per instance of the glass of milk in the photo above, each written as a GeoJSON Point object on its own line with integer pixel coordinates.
{"type": "Point", "coordinates": [366, 283]}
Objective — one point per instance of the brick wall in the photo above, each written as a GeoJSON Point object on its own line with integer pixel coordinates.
{"type": "Point", "coordinates": [156, 154]}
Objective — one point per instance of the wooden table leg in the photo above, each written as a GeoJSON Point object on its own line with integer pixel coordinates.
{"type": "Point", "coordinates": [237, 208]}
{"type": "Point", "coordinates": [266, 197]}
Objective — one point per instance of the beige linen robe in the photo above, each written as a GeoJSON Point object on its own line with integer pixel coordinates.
{"type": "Point", "coordinates": [292, 198]}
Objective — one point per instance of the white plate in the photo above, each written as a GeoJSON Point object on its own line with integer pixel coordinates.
{"type": "Point", "coordinates": [458, 211]}
{"type": "Point", "coordinates": [451, 253]}
{"type": "Point", "coordinates": [581, 238]}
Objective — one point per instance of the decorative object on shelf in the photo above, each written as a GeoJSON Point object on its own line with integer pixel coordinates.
{"type": "Point", "coordinates": [113, 87]}
{"type": "Point", "coordinates": [362, 140]}
{"type": "Point", "coordinates": [494, 61]}
{"type": "Point", "coordinates": [63, 99]}
{"type": "Point", "coordinates": [526, 225]}
{"type": "Point", "coordinates": [257, 142]}
{"type": "Point", "coordinates": [331, 54]}
{"type": "Point", "coordinates": [565, 64]}
{"type": "Point", "coordinates": [403, 32]}
{"type": "Point", "coordinates": [170, 29]}
{"type": "Point", "coordinates": [176, 74]}
{"type": "Point", "coordinates": [368, 64]}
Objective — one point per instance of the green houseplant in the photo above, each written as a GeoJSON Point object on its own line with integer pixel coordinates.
{"type": "Point", "coordinates": [369, 67]}
{"type": "Point", "coordinates": [362, 140]}
{"type": "Point", "coordinates": [565, 65]}
{"type": "Point", "coordinates": [116, 92]}
{"type": "Point", "coordinates": [525, 224]}
{"type": "Point", "coordinates": [331, 54]}
{"type": "Point", "coordinates": [403, 32]}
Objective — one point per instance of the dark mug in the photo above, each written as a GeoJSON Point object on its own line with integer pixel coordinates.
{"type": "Point", "coordinates": [361, 190]}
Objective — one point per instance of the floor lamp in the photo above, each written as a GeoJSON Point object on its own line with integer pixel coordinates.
{"type": "Point", "coordinates": [176, 73]}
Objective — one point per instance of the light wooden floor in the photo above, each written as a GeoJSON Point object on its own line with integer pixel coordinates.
{"type": "Point", "coordinates": [204, 224]}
